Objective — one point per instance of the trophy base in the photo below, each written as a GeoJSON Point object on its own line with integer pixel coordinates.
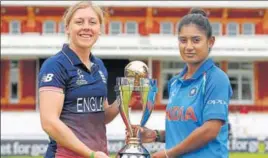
{"type": "Point", "coordinates": [133, 150]}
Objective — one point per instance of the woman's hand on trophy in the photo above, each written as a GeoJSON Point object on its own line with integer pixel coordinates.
{"type": "Point", "coordinates": [147, 135]}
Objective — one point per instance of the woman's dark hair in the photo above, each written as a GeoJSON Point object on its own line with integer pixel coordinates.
{"type": "Point", "coordinates": [198, 17]}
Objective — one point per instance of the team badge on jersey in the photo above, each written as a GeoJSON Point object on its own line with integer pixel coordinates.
{"type": "Point", "coordinates": [81, 80]}
{"type": "Point", "coordinates": [193, 91]}
{"type": "Point", "coordinates": [103, 77]}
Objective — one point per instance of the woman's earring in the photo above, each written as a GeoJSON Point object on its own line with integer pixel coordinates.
{"type": "Point", "coordinates": [209, 49]}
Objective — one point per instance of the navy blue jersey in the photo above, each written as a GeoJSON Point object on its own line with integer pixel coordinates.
{"type": "Point", "coordinates": [194, 101]}
{"type": "Point", "coordinates": [85, 93]}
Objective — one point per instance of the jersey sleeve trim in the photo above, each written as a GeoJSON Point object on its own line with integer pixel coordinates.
{"type": "Point", "coordinates": [51, 88]}
{"type": "Point", "coordinates": [216, 116]}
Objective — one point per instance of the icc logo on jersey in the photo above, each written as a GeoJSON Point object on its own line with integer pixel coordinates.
{"type": "Point", "coordinates": [81, 80]}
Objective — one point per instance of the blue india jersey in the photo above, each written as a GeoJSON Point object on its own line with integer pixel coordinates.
{"type": "Point", "coordinates": [194, 101]}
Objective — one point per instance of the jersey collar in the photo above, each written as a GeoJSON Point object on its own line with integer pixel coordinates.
{"type": "Point", "coordinates": [206, 65]}
{"type": "Point", "coordinates": [73, 58]}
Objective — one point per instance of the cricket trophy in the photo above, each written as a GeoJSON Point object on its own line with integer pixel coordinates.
{"type": "Point", "coordinates": [135, 81]}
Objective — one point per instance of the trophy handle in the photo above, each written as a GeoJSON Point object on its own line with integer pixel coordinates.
{"type": "Point", "coordinates": [148, 90]}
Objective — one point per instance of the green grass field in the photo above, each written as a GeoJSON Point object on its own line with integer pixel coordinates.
{"type": "Point", "coordinates": [248, 155]}
{"type": "Point", "coordinates": [232, 155]}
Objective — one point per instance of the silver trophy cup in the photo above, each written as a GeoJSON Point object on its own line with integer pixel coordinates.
{"type": "Point", "coordinates": [136, 81]}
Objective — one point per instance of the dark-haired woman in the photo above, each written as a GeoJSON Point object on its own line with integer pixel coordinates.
{"type": "Point", "coordinates": [197, 110]}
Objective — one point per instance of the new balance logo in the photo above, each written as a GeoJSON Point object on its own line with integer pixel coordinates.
{"type": "Point", "coordinates": [47, 77]}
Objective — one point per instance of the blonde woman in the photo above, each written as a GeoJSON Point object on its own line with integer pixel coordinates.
{"type": "Point", "coordinates": [73, 90]}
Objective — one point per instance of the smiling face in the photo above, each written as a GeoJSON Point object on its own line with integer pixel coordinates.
{"type": "Point", "coordinates": [194, 44]}
{"type": "Point", "coordinates": [84, 28]}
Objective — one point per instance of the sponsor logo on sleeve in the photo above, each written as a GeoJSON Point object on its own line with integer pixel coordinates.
{"type": "Point", "coordinates": [216, 102]}
{"type": "Point", "coordinates": [47, 77]}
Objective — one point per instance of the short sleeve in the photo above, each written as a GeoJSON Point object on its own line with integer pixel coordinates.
{"type": "Point", "coordinates": [217, 95]}
{"type": "Point", "coordinates": [52, 74]}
